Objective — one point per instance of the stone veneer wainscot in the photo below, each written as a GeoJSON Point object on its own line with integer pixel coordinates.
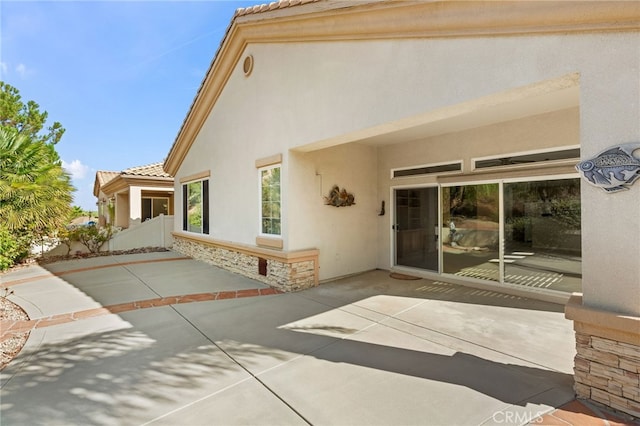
{"type": "Point", "coordinates": [607, 362]}
{"type": "Point", "coordinates": [286, 271]}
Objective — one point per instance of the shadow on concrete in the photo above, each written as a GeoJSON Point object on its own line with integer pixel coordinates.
{"type": "Point", "coordinates": [379, 282]}
{"type": "Point", "coordinates": [198, 349]}
{"type": "Point", "coordinates": [130, 377]}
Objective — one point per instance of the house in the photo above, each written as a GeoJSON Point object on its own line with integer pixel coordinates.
{"type": "Point", "coordinates": [434, 138]}
{"type": "Point", "coordinates": [133, 195]}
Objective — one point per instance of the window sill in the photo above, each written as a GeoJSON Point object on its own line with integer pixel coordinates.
{"type": "Point", "coordinates": [270, 242]}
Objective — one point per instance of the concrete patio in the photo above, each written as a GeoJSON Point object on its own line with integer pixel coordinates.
{"type": "Point", "coordinates": [368, 349]}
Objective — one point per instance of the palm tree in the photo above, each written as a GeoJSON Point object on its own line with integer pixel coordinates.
{"type": "Point", "coordinates": [76, 211]}
{"type": "Point", "coordinates": [35, 191]}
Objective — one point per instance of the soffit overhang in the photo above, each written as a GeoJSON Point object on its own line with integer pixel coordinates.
{"type": "Point", "coordinates": [553, 95]}
{"type": "Point", "coordinates": [122, 182]}
{"type": "Point", "coordinates": [379, 20]}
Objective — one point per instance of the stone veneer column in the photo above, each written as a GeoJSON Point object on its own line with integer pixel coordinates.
{"type": "Point", "coordinates": [607, 362]}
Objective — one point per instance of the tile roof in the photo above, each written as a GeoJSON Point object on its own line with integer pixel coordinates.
{"type": "Point", "coordinates": [281, 4]}
{"type": "Point", "coordinates": [105, 176]}
{"type": "Point", "coordinates": [153, 170]}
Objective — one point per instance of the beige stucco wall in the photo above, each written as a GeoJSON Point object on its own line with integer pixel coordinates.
{"type": "Point", "coordinates": [334, 92]}
{"type": "Point", "coordinates": [345, 236]}
{"type": "Point", "coordinates": [122, 210]}
{"type": "Point", "coordinates": [154, 233]}
{"type": "Point", "coordinates": [609, 115]}
{"type": "Point", "coordinates": [135, 204]}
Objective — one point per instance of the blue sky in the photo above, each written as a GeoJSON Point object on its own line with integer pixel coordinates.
{"type": "Point", "coordinates": [118, 75]}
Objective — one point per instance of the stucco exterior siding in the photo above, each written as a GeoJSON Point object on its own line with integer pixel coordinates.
{"type": "Point", "coordinates": [306, 93]}
{"type": "Point", "coordinates": [302, 93]}
{"type": "Point", "coordinates": [609, 115]}
{"type": "Point", "coordinates": [309, 96]}
{"type": "Point", "coordinates": [345, 236]}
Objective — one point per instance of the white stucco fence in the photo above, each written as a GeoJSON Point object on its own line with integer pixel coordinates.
{"type": "Point", "coordinates": [152, 233]}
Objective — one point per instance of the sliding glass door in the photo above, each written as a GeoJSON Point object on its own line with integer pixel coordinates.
{"type": "Point", "coordinates": [542, 234]}
{"type": "Point", "coordinates": [471, 225]}
{"type": "Point", "coordinates": [416, 228]}
{"type": "Point", "coordinates": [537, 221]}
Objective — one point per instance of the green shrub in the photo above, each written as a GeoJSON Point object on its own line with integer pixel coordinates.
{"type": "Point", "coordinates": [92, 237]}
{"type": "Point", "coordinates": [12, 249]}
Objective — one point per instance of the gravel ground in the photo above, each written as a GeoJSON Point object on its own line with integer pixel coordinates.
{"type": "Point", "coordinates": [10, 347]}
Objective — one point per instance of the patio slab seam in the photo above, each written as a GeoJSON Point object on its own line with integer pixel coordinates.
{"type": "Point", "coordinates": [86, 269]}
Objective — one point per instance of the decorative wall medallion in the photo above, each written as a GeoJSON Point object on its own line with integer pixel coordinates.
{"type": "Point", "coordinates": [339, 198]}
{"type": "Point", "coordinates": [614, 169]}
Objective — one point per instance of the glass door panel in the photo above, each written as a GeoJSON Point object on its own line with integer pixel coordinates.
{"type": "Point", "coordinates": [542, 234]}
{"type": "Point", "coordinates": [471, 231]}
{"type": "Point", "coordinates": [160, 206]}
{"type": "Point", "coordinates": [146, 209]}
{"type": "Point", "coordinates": [416, 228]}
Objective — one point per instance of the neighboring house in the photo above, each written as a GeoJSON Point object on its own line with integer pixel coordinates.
{"type": "Point", "coordinates": [455, 127]}
{"type": "Point", "coordinates": [133, 195]}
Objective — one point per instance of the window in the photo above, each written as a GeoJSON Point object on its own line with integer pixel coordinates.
{"type": "Point", "coordinates": [195, 206]}
{"type": "Point", "coordinates": [528, 158]}
{"type": "Point", "coordinates": [153, 207]}
{"type": "Point", "coordinates": [428, 170]}
{"type": "Point", "coordinates": [270, 215]}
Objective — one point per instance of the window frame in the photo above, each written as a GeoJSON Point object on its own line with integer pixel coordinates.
{"type": "Point", "coordinates": [261, 201]}
{"type": "Point", "coordinates": [152, 198]}
{"type": "Point", "coordinates": [204, 185]}
{"type": "Point", "coordinates": [427, 172]}
{"type": "Point", "coordinates": [522, 155]}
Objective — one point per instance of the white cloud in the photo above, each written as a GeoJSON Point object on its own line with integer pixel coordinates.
{"type": "Point", "coordinates": [76, 169]}
{"type": "Point", "coordinates": [23, 71]}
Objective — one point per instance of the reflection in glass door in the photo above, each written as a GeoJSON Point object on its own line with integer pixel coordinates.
{"type": "Point", "coordinates": [542, 234]}
{"type": "Point", "coordinates": [416, 228]}
{"type": "Point", "coordinates": [471, 231]}
{"type": "Point", "coordinates": [540, 227]}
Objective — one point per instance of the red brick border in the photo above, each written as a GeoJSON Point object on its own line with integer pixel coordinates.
{"type": "Point", "coordinates": [577, 413]}
{"type": "Point", "coordinates": [9, 328]}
